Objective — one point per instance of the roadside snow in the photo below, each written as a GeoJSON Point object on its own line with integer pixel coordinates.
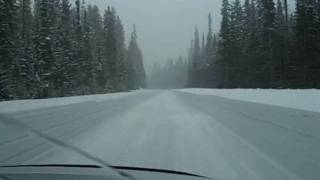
{"type": "Point", "coordinates": [26, 105]}
{"type": "Point", "coordinates": [298, 99]}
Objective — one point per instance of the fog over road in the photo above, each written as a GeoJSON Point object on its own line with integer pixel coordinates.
{"type": "Point", "coordinates": [202, 134]}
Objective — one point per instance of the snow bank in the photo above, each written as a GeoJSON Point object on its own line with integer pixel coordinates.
{"type": "Point", "coordinates": [299, 99]}
{"type": "Point", "coordinates": [26, 105]}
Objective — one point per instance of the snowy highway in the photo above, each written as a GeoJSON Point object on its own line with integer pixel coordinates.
{"type": "Point", "coordinates": [208, 135]}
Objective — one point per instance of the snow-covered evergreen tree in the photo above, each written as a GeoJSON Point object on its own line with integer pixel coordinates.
{"type": "Point", "coordinates": [196, 63]}
{"type": "Point", "coordinates": [281, 46]}
{"type": "Point", "coordinates": [8, 48]}
{"type": "Point", "coordinates": [305, 61]}
{"type": "Point", "coordinates": [65, 78]}
{"type": "Point", "coordinates": [87, 67]}
{"type": "Point", "coordinates": [122, 64]}
{"type": "Point", "coordinates": [24, 65]}
{"type": "Point", "coordinates": [44, 44]}
{"type": "Point", "coordinates": [137, 75]}
{"type": "Point", "coordinates": [94, 21]}
{"type": "Point", "coordinates": [107, 75]}
{"type": "Point", "coordinates": [62, 50]}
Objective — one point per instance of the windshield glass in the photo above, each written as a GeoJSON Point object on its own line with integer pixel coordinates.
{"type": "Point", "coordinates": [227, 89]}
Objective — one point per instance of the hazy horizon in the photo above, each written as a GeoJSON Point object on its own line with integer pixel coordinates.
{"type": "Point", "coordinates": [165, 27]}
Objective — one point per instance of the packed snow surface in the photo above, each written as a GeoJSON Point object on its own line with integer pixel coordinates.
{"type": "Point", "coordinates": [26, 105]}
{"type": "Point", "coordinates": [300, 99]}
{"type": "Point", "coordinates": [208, 135]}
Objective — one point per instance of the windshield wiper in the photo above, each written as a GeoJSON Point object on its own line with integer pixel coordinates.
{"type": "Point", "coordinates": [114, 167]}
{"type": "Point", "coordinates": [14, 123]}
{"type": "Point", "coordinates": [23, 127]}
{"type": "Point", "coordinates": [54, 165]}
{"type": "Point", "coordinates": [156, 170]}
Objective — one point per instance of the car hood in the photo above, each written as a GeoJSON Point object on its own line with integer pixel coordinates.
{"type": "Point", "coordinates": [92, 173]}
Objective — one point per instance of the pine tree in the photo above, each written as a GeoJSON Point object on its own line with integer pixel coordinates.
{"type": "Point", "coordinates": [86, 54]}
{"type": "Point", "coordinates": [225, 23]}
{"type": "Point", "coordinates": [203, 48]}
{"type": "Point", "coordinates": [222, 69]}
{"type": "Point", "coordinates": [209, 37]}
{"type": "Point", "coordinates": [95, 26]}
{"type": "Point", "coordinates": [137, 75]}
{"type": "Point", "coordinates": [254, 42]}
{"type": "Point", "coordinates": [8, 49]}
{"type": "Point", "coordinates": [249, 37]}
{"type": "Point", "coordinates": [235, 66]}
{"type": "Point", "coordinates": [252, 45]}
{"type": "Point", "coordinates": [304, 65]}
{"type": "Point", "coordinates": [54, 10]}
{"type": "Point", "coordinates": [280, 52]}
{"type": "Point", "coordinates": [44, 43]}
{"type": "Point", "coordinates": [180, 73]}
{"type": "Point", "coordinates": [122, 82]}
{"type": "Point", "coordinates": [209, 55]}
{"type": "Point", "coordinates": [59, 51]}
{"type": "Point", "coordinates": [317, 9]}
{"type": "Point", "coordinates": [196, 62]}
{"type": "Point", "coordinates": [24, 65]}
{"type": "Point", "coordinates": [265, 53]}
{"type": "Point", "coordinates": [77, 48]}
{"type": "Point", "coordinates": [109, 64]}
{"type": "Point", "coordinates": [65, 77]}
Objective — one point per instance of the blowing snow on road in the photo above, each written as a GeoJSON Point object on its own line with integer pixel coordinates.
{"type": "Point", "coordinates": [209, 135]}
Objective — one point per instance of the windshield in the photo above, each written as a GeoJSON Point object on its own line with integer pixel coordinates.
{"type": "Point", "coordinates": [227, 89]}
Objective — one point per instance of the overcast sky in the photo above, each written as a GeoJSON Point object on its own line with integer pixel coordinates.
{"type": "Point", "coordinates": [165, 27]}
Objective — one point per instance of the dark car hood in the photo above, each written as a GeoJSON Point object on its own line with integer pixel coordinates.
{"type": "Point", "coordinates": [92, 173]}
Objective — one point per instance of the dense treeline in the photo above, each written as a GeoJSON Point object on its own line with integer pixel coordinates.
{"type": "Point", "coordinates": [170, 75]}
{"type": "Point", "coordinates": [260, 45]}
{"type": "Point", "coordinates": [55, 49]}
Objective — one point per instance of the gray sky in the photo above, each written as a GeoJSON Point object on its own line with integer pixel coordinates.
{"type": "Point", "coordinates": [165, 27]}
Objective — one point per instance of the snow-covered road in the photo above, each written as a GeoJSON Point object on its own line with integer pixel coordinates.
{"type": "Point", "coordinates": [203, 134]}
